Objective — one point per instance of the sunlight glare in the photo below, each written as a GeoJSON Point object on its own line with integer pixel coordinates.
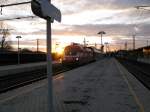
{"type": "Point", "coordinates": [59, 50]}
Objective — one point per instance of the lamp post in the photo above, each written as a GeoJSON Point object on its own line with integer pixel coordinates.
{"type": "Point", "coordinates": [106, 43]}
{"type": "Point", "coordinates": [37, 42]}
{"type": "Point", "coordinates": [147, 43]}
{"type": "Point", "coordinates": [133, 41]}
{"type": "Point", "coordinates": [101, 33]}
{"type": "Point", "coordinates": [126, 46]}
{"type": "Point", "coordinates": [84, 41]}
{"type": "Point", "coordinates": [18, 37]}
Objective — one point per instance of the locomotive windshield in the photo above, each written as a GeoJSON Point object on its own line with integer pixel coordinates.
{"type": "Point", "coordinates": [70, 52]}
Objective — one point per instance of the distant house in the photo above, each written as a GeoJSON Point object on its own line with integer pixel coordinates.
{"type": "Point", "coordinates": [146, 54]}
{"type": "Point", "coordinates": [146, 51]}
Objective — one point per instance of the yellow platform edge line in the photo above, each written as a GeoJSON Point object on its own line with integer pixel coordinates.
{"type": "Point", "coordinates": [129, 86]}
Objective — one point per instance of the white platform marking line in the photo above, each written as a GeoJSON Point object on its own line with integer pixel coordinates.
{"type": "Point", "coordinates": [130, 88]}
{"type": "Point", "coordinates": [59, 77]}
{"type": "Point", "coordinates": [20, 93]}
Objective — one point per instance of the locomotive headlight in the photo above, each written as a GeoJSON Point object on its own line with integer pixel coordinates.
{"type": "Point", "coordinates": [77, 59]}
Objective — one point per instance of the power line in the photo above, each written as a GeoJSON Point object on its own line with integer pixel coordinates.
{"type": "Point", "coordinates": [8, 5]}
{"type": "Point", "coordinates": [24, 17]}
{"type": "Point", "coordinates": [143, 8]}
{"type": "Point", "coordinates": [21, 3]}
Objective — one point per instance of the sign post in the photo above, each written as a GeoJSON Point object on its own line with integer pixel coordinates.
{"type": "Point", "coordinates": [44, 9]}
{"type": "Point", "coordinates": [49, 66]}
{"type": "Point", "coordinates": [18, 37]}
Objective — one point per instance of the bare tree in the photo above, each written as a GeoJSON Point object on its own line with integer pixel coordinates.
{"type": "Point", "coordinates": [4, 1]}
{"type": "Point", "coordinates": [4, 45]}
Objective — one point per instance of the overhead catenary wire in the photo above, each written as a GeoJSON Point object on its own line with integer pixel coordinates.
{"type": "Point", "coordinates": [143, 8]}
{"type": "Point", "coordinates": [13, 4]}
{"type": "Point", "coordinates": [23, 17]}
{"type": "Point", "coordinates": [21, 3]}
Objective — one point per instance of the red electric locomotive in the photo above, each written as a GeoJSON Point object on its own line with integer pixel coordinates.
{"type": "Point", "coordinates": [76, 54]}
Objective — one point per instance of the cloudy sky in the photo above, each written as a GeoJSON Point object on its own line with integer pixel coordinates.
{"type": "Point", "coordinates": [82, 19]}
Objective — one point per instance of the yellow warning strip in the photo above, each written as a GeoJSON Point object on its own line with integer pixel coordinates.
{"type": "Point", "coordinates": [130, 88]}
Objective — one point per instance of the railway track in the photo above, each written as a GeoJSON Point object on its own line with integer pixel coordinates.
{"type": "Point", "coordinates": [21, 79]}
{"type": "Point", "coordinates": [139, 70]}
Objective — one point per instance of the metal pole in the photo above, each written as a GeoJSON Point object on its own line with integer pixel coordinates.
{"type": "Point", "coordinates": [125, 46]}
{"type": "Point", "coordinates": [18, 53]}
{"type": "Point", "coordinates": [95, 45]}
{"type": "Point", "coordinates": [106, 48]}
{"type": "Point", "coordinates": [101, 39]}
{"type": "Point", "coordinates": [18, 49]}
{"type": "Point", "coordinates": [101, 43]}
{"type": "Point", "coordinates": [84, 41]}
{"type": "Point", "coordinates": [37, 45]}
{"type": "Point", "coordinates": [133, 42]}
{"type": "Point", "coordinates": [49, 67]}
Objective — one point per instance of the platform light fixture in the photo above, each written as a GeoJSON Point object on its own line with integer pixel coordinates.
{"type": "Point", "coordinates": [106, 43]}
{"type": "Point", "coordinates": [101, 33]}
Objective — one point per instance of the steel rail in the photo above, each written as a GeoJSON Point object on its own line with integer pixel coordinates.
{"type": "Point", "coordinates": [140, 74]}
{"type": "Point", "coordinates": [28, 81]}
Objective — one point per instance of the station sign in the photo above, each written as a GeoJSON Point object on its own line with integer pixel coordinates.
{"type": "Point", "coordinates": [44, 9]}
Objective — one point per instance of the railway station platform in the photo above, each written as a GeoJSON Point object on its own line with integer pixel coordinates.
{"type": "Point", "coordinates": [102, 86]}
{"type": "Point", "coordinates": [19, 68]}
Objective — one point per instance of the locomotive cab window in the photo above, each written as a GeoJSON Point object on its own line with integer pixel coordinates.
{"type": "Point", "coordinates": [70, 52]}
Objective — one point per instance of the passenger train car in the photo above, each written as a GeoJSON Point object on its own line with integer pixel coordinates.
{"type": "Point", "coordinates": [76, 54]}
